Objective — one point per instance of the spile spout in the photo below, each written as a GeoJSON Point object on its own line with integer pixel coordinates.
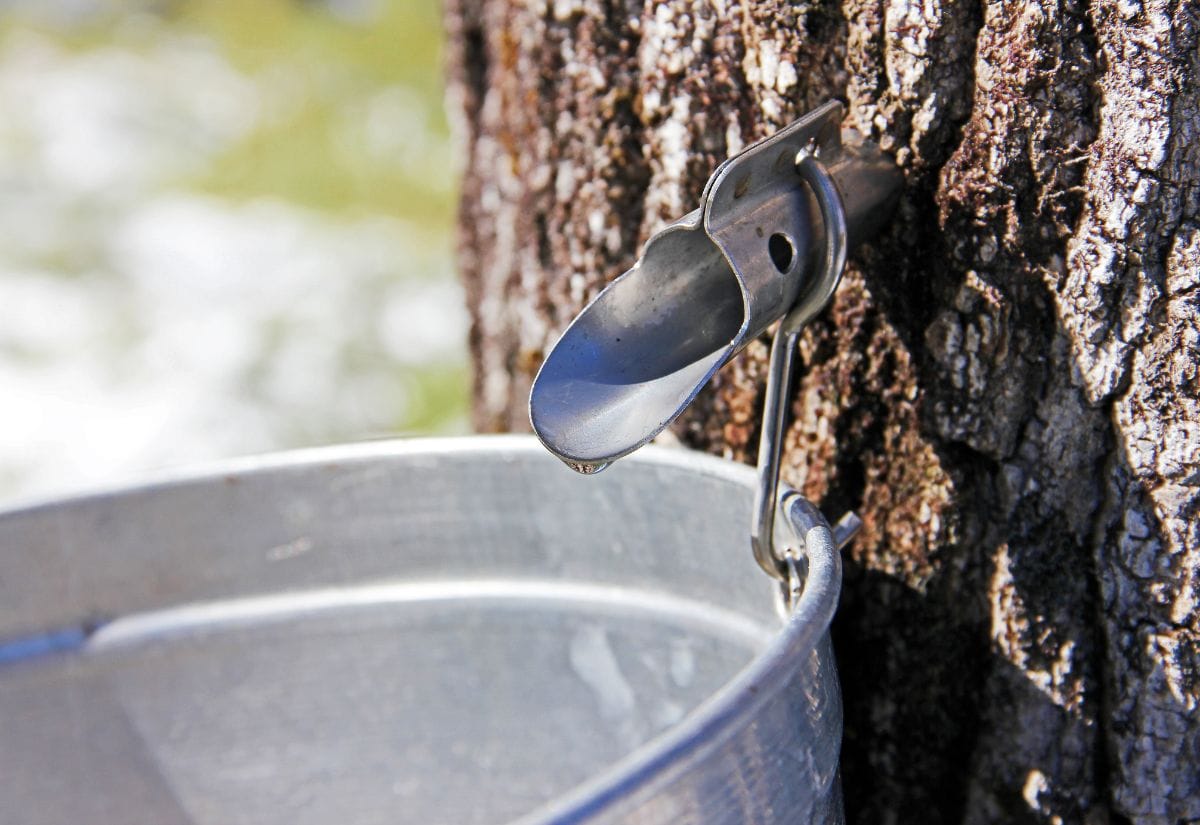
{"type": "Point", "coordinates": [706, 285]}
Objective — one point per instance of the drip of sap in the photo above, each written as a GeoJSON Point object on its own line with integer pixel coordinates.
{"type": "Point", "coordinates": [586, 468]}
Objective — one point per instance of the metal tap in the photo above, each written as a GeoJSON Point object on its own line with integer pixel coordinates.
{"type": "Point", "coordinates": [768, 243]}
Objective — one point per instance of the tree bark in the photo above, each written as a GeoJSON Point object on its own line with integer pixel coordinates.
{"type": "Point", "coordinates": [1005, 387]}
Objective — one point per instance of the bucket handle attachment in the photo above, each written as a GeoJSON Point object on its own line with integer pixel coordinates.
{"type": "Point", "coordinates": [779, 369]}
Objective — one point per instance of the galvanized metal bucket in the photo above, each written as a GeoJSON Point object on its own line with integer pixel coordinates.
{"type": "Point", "coordinates": [455, 631]}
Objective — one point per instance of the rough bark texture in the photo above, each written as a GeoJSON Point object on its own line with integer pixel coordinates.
{"type": "Point", "coordinates": [1005, 387]}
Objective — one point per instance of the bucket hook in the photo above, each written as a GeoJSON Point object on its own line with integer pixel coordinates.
{"type": "Point", "coordinates": [783, 347]}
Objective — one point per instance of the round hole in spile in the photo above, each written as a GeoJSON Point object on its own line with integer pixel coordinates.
{"type": "Point", "coordinates": [780, 248]}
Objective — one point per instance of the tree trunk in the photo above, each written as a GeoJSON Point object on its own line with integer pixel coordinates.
{"type": "Point", "coordinates": [1005, 386]}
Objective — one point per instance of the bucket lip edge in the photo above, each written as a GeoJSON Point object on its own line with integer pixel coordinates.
{"type": "Point", "coordinates": [146, 481]}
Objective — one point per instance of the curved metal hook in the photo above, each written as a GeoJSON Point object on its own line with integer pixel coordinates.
{"type": "Point", "coordinates": [783, 347]}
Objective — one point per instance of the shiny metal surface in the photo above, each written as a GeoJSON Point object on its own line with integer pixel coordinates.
{"type": "Point", "coordinates": [432, 632]}
{"type": "Point", "coordinates": [703, 288]}
{"type": "Point", "coordinates": [809, 304]}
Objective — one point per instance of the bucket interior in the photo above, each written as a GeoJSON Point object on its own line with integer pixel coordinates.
{"type": "Point", "coordinates": [458, 632]}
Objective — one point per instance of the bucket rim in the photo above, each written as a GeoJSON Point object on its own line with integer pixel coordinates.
{"type": "Point", "coordinates": [190, 472]}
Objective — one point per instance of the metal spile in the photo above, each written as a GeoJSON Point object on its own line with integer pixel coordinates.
{"type": "Point", "coordinates": [768, 243]}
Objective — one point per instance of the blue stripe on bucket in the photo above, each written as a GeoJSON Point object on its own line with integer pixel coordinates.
{"type": "Point", "coordinates": [64, 640]}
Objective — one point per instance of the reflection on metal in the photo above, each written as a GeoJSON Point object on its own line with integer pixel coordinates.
{"type": "Point", "coordinates": [469, 637]}
{"type": "Point", "coordinates": [767, 244]}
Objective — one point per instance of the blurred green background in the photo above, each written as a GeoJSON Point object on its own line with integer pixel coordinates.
{"type": "Point", "coordinates": [225, 227]}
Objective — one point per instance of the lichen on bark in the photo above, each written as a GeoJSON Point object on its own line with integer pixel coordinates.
{"type": "Point", "coordinates": [1005, 386]}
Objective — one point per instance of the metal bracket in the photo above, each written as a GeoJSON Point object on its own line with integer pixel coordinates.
{"type": "Point", "coordinates": [779, 368]}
